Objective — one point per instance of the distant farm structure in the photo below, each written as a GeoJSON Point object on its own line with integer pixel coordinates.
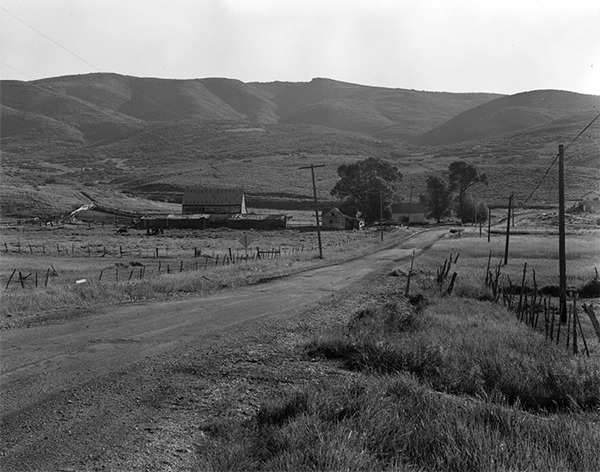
{"type": "Point", "coordinates": [591, 202]}
{"type": "Point", "coordinates": [214, 201]}
{"type": "Point", "coordinates": [335, 219]}
{"type": "Point", "coordinates": [403, 213]}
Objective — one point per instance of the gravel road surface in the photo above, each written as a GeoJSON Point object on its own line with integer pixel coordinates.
{"type": "Point", "coordinates": [59, 384]}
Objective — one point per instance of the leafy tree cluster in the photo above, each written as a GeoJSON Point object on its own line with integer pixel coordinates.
{"type": "Point", "coordinates": [441, 197]}
{"type": "Point", "coordinates": [367, 187]}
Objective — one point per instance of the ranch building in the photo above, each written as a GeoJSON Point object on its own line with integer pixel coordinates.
{"type": "Point", "coordinates": [220, 201]}
{"type": "Point", "coordinates": [335, 219]}
{"type": "Point", "coordinates": [403, 213]}
{"type": "Point", "coordinates": [591, 202]}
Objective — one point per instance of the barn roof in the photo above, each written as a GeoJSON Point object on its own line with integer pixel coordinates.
{"type": "Point", "coordinates": [198, 195]}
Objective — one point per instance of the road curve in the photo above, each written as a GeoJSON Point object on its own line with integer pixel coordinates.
{"type": "Point", "coordinates": [40, 362]}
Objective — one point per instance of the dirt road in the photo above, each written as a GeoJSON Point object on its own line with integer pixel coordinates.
{"type": "Point", "coordinates": [44, 365]}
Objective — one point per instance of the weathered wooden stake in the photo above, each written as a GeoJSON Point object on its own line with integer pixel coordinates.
{"type": "Point", "coordinates": [587, 352]}
{"type": "Point", "coordinates": [589, 309]}
{"type": "Point", "coordinates": [451, 286]}
{"type": "Point", "coordinates": [507, 231]}
{"type": "Point", "coordinates": [10, 278]}
{"type": "Point", "coordinates": [522, 290]}
{"type": "Point", "coordinates": [406, 292]}
{"type": "Point", "coordinates": [575, 347]}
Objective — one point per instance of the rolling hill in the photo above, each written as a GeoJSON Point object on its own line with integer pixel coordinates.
{"type": "Point", "coordinates": [117, 135]}
{"type": "Point", "coordinates": [510, 114]}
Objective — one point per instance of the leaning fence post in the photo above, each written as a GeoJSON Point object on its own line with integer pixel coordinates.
{"type": "Point", "coordinates": [10, 278]}
{"type": "Point", "coordinates": [575, 349]}
{"type": "Point", "coordinates": [451, 286]}
{"type": "Point", "coordinates": [409, 275]}
{"type": "Point", "coordinates": [589, 309]}
{"type": "Point", "coordinates": [522, 291]}
{"type": "Point", "coordinates": [582, 336]}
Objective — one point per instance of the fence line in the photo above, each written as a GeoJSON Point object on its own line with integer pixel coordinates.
{"type": "Point", "coordinates": [533, 302]}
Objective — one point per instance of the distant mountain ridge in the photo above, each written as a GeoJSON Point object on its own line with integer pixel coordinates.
{"type": "Point", "coordinates": [86, 101]}
{"type": "Point", "coordinates": [152, 137]}
{"type": "Point", "coordinates": [510, 114]}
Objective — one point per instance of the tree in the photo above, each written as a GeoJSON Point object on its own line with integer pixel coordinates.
{"type": "Point", "coordinates": [463, 176]}
{"type": "Point", "coordinates": [438, 198]}
{"type": "Point", "coordinates": [471, 211]}
{"type": "Point", "coordinates": [367, 185]}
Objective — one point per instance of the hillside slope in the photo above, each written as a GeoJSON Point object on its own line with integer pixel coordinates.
{"type": "Point", "coordinates": [510, 114]}
{"type": "Point", "coordinates": [93, 100]}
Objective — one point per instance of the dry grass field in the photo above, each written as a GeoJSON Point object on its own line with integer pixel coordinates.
{"type": "Point", "coordinates": [46, 270]}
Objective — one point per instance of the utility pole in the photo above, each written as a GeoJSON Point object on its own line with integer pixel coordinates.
{"type": "Point", "coordinates": [513, 210]}
{"type": "Point", "coordinates": [381, 213]}
{"type": "Point", "coordinates": [507, 230]}
{"type": "Point", "coordinates": [409, 209]}
{"type": "Point", "coordinates": [562, 258]}
{"type": "Point", "coordinates": [312, 171]}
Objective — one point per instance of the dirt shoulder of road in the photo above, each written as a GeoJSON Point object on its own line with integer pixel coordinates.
{"type": "Point", "coordinates": [157, 414]}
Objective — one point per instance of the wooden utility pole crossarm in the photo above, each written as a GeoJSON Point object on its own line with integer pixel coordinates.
{"type": "Point", "coordinates": [312, 171]}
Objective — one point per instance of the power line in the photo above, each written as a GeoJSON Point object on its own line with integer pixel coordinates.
{"type": "Point", "coordinates": [582, 131]}
{"type": "Point", "coordinates": [48, 38]}
{"type": "Point", "coordinates": [556, 158]}
{"type": "Point", "coordinates": [97, 69]}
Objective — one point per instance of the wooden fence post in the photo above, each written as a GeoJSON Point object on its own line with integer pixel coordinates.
{"type": "Point", "coordinates": [575, 347]}
{"type": "Point", "coordinates": [406, 292]}
{"type": "Point", "coordinates": [10, 278]}
{"type": "Point", "coordinates": [522, 291]}
{"type": "Point", "coordinates": [589, 309]}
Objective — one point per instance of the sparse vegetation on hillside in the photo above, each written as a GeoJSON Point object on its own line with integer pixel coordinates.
{"type": "Point", "coordinates": [119, 133]}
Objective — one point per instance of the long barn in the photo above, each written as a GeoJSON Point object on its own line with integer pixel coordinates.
{"type": "Point", "coordinates": [219, 201]}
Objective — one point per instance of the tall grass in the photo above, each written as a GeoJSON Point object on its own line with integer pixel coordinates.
{"type": "Point", "coordinates": [457, 385]}
{"type": "Point", "coordinates": [395, 423]}
{"type": "Point", "coordinates": [465, 347]}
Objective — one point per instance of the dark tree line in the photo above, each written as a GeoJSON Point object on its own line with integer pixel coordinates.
{"type": "Point", "coordinates": [368, 187]}
{"type": "Point", "coordinates": [442, 198]}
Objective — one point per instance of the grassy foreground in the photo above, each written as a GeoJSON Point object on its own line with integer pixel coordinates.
{"type": "Point", "coordinates": [444, 383]}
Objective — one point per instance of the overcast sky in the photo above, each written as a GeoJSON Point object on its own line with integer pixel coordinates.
{"type": "Point", "coordinates": [504, 46]}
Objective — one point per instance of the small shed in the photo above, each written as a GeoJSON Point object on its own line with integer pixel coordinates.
{"type": "Point", "coordinates": [335, 219]}
{"type": "Point", "coordinates": [591, 202]}
{"type": "Point", "coordinates": [403, 213]}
